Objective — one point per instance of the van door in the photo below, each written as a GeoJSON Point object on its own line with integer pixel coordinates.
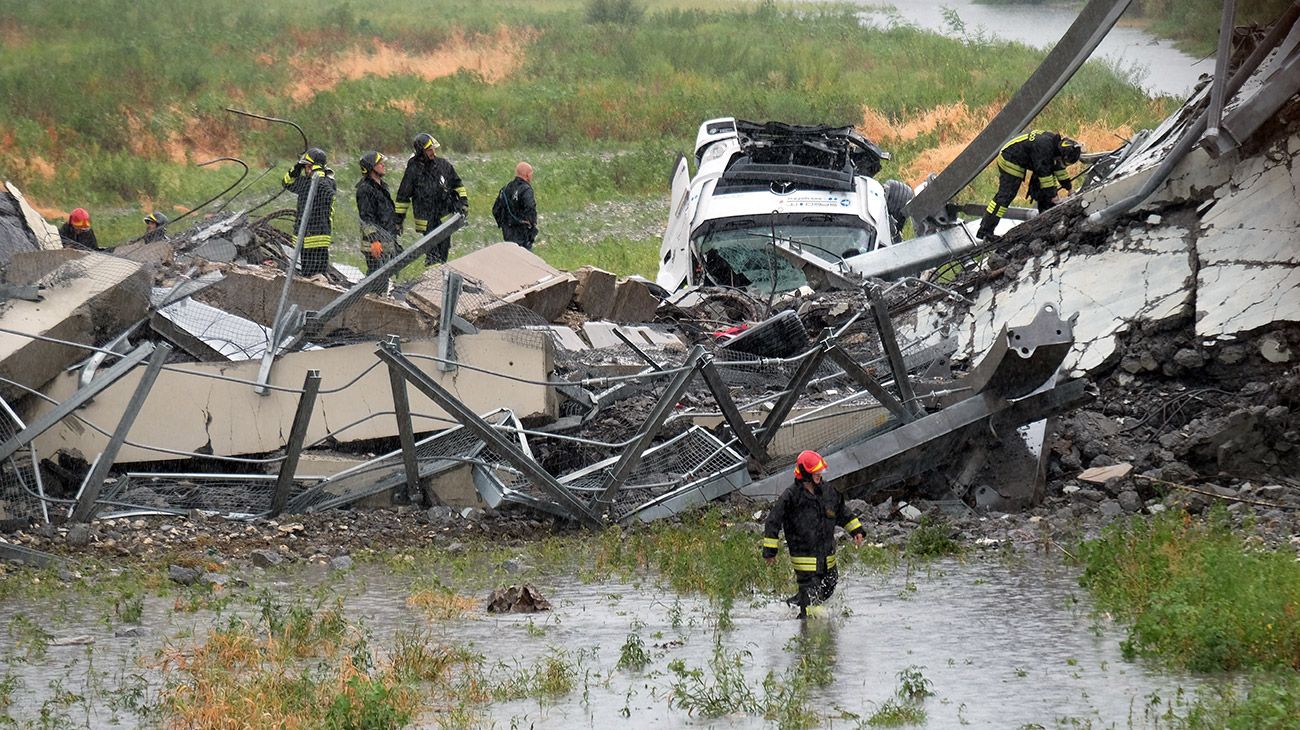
{"type": "Point", "coordinates": [674, 253]}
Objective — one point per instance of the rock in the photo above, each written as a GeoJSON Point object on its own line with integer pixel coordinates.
{"type": "Point", "coordinates": [752, 528]}
{"type": "Point", "coordinates": [1110, 509]}
{"type": "Point", "coordinates": [78, 535]}
{"type": "Point", "coordinates": [1089, 495]}
{"type": "Point", "coordinates": [341, 562]}
{"type": "Point", "coordinates": [1274, 350]}
{"type": "Point", "coordinates": [266, 558]}
{"type": "Point", "coordinates": [1231, 355]}
{"type": "Point", "coordinates": [214, 580]}
{"type": "Point", "coordinates": [908, 512]}
{"type": "Point", "coordinates": [471, 514]}
{"type": "Point", "coordinates": [456, 548]}
{"type": "Point", "coordinates": [129, 632]}
{"type": "Point", "coordinates": [856, 506]}
{"type": "Point", "coordinates": [514, 566]}
{"type": "Point", "coordinates": [1130, 501]}
{"type": "Point", "coordinates": [517, 599]}
{"type": "Point", "coordinates": [183, 575]}
{"type": "Point", "coordinates": [884, 509]}
{"type": "Point", "coordinates": [1189, 358]}
{"type": "Point", "coordinates": [442, 516]}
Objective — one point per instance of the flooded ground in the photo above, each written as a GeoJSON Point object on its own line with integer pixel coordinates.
{"type": "Point", "coordinates": [1162, 68]}
{"type": "Point", "coordinates": [1000, 642]}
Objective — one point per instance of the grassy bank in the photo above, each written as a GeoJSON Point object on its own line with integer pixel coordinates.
{"type": "Point", "coordinates": [110, 106]}
{"type": "Point", "coordinates": [1198, 596]}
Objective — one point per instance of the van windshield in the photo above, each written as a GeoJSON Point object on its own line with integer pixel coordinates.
{"type": "Point", "coordinates": [743, 256]}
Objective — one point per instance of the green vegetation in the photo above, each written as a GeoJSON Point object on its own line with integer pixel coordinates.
{"type": "Point", "coordinates": [907, 706]}
{"type": "Point", "coordinates": [117, 101]}
{"type": "Point", "coordinates": [1197, 594]}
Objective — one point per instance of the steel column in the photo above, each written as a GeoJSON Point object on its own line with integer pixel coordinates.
{"type": "Point", "coordinates": [297, 435]}
{"type": "Point", "coordinates": [499, 444]}
{"type": "Point", "coordinates": [277, 334]}
{"type": "Point", "coordinates": [729, 411]}
{"type": "Point", "coordinates": [632, 454]}
{"type": "Point", "coordinates": [451, 285]}
{"type": "Point", "coordinates": [44, 422]}
{"type": "Point", "coordinates": [889, 341]}
{"type": "Point", "coordinates": [793, 390]}
{"type": "Point", "coordinates": [863, 378]}
{"type": "Point", "coordinates": [405, 430]}
{"type": "Point", "coordinates": [94, 481]}
{"type": "Point", "coordinates": [1215, 114]}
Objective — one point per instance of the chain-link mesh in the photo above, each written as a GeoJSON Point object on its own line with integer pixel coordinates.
{"type": "Point", "coordinates": [227, 494]}
{"type": "Point", "coordinates": [21, 492]}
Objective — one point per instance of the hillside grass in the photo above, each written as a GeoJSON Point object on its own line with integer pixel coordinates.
{"type": "Point", "coordinates": [110, 105]}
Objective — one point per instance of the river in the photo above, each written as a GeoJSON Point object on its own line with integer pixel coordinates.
{"type": "Point", "coordinates": [1161, 68]}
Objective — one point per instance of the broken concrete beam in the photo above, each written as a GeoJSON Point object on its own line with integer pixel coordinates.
{"type": "Point", "coordinates": [564, 337]}
{"type": "Point", "coordinates": [208, 333]}
{"type": "Point", "coordinates": [633, 302]}
{"type": "Point", "coordinates": [153, 254]}
{"type": "Point", "coordinates": [47, 235]}
{"type": "Point", "coordinates": [549, 298]}
{"type": "Point", "coordinates": [189, 412]}
{"type": "Point", "coordinates": [254, 293]}
{"type": "Point", "coordinates": [601, 334]}
{"type": "Point", "coordinates": [595, 292]}
{"type": "Point", "coordinates": [87, 298]}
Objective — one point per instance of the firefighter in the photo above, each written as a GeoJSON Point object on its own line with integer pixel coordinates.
{"type": "Point", "coordinates": [77, 233]}
{"type": "Point", "coordinates": [1044, 155]}
{"type": "Point", "coordinates": [515, 209]}
{"type": "Point", "coordinates": [320, 219]}
{"type": "Point", "coordinates": [154, 227]}
{"type": "Point", "coordinates": [380, 226]}
{"type": "Point", "coordinates": [431, 190]}
{"type": "Point", "coordinates": [808, 512]}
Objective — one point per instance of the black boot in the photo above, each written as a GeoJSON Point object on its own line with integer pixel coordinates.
{"type": "Point", "coordinates": [987, 225]}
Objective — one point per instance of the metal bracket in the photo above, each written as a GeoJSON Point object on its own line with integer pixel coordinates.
{"type": "Point", "coordinates": [451, 285]}
{"type": "Point", "coordinates": [297, 435]}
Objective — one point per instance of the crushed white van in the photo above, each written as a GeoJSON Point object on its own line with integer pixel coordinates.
{"type": "Point", "coordinates": [763, 191]}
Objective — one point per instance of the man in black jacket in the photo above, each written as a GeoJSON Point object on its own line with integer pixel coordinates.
{"type": "Point", "coordinates": [320, 219]}
{"type": "Point", "coordinates": [430, 189]}
{"type": "Point", "coordinates": [153, 228]}
{"type": "Point", "coordinates": [77, 233]}
{"type": "Point", "coordinates": [515, 209]}
{"type": "Point", "coordinates": [1045, 156]}
{"type": "Point", "coordinates": [808, 512]}
{"type": "Point", "coordinates": [379, 223]}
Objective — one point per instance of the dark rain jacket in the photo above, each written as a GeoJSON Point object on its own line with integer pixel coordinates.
{"type": "Point", "coordinates": [320, 222]}
{"type": "Point", "coordinates": [515, 211]}
{"type": "Point", "coordinates": [808, 521]}
{"type": "Point", "coordinates": [430, 190]}
{"type": "Point", "coordinates": [376, 210]}
{"type": "Point", "coordinates": [82, 237]}
{"type": "Point", "coordinates": [1038, 152]}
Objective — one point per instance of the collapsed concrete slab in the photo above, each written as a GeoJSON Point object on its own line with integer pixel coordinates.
{"type": "Point", "coordinates": [88, 298]}
{"type": "Point", "coordinates": [504, 272]}
{"type": "Point", "coordinates": [254, 294]}
{"type": "Point", "coordinates": [633, 302]}
{"type": "Point", "coordinates": [47, 236]}
{"type": "Point", "coordinates": [355, 402]}
{"type": "Point", "coordinates": [596, 291]}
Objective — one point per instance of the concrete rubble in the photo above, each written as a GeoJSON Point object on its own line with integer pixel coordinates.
{"type": "Point", "coordinates": [1127, 354]}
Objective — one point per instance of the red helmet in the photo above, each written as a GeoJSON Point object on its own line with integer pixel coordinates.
{"type": "Point", "coordinates": [79, 218]}
{"type": "Point", "coordinates": [808, 463]}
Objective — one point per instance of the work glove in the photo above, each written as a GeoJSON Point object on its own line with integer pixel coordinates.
{"type": "Point", "coordinates": [297, 169]}
{"type": "Point", "coordinates": [462, 206]}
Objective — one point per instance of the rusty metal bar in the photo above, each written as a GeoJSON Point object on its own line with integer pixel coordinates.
{"type": "Point", "coordinates": [297, 435]}
{"type": "Point", "coordinates": [730, 412]}
{"type": "Point", "coordinates": [94, 482]}
{"type": "Point", "coordinates": [499, 444]}
{"type": "Point", "coordinates": [632, 454]}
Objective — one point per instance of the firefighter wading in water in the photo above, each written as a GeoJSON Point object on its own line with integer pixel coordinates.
{"type": "Point", "coordinates": [808, 512]}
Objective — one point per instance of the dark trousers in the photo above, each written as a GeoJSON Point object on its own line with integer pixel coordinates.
{"type": "Point", "coordinates": [438, 254]}
{"type": "Point", "coordinates": [815, 587]}
{"type": "Point", "coordinates": [315, 260]}
{"type": "Point", "coordinates": [518, 234]}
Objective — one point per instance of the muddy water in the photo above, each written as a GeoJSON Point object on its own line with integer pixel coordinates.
{"type": "Point", "coordinates": [1162, 68]}
{"type": "Point", "coordinates": [1004, 644]}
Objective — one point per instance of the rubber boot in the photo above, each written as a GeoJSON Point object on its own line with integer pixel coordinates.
{"type": "Point", "coordinates": [987, 225]}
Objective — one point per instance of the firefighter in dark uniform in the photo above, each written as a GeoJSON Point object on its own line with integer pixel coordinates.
{"type": "Point", "coordinates": [515, 209]}
{"type": "Point", "coordinates": [808, 512]}
{"type": "Point", "coordinates": [77, 233]}
{"type": "Point", "coordinates": [1045, 156]}
{"type": "Point", "coordinates": [430, 190]}
{"type": "Point", "coordinates": [380, 226]}
{"type": "Point", "coordinates": [154, 227]}
{"type": "Point", "coordinates": [320, 219]}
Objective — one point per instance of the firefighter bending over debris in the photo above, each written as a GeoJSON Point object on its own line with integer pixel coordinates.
{"type": "Point", "coordinates": [1044, 155]}
{"type": "Point", "coordinates": [380, 225]}
{"type": "Point", "coordinates": [77, 233]}
{"type": "Point", "coordinates": [430, 189]}
{"type": "Point", "coordinates": [320, 219]}
{"type": "Point", "coordinates": [808, 512]}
